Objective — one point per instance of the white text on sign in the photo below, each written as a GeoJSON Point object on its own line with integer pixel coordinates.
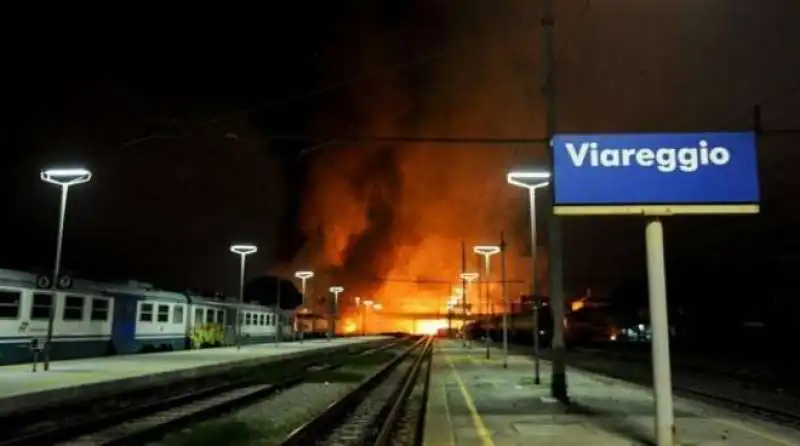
{"type": "Point", "coordinates": [665, 159]}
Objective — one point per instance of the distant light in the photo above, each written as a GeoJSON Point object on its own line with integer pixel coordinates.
{"type": "Point", "coordinates": [302, 275]}
{"type": "Point", "coordinates": [486, 250]}
{"type": "Point", "coordinates": [67, 176]}
{"type": "Point", "coordinates": [244, 249]}
{"type": "Point", "coordinates": [368, 303]}
{"type": "Point", "coordinates": [377, 307]}
{"type": "Point", "coordinates": [336, 289]}
{"type": "Point", "coordinates": [469, 277]}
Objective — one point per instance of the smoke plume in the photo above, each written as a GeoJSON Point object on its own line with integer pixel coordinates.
{"type": "Point", "coordinates": [387, 221]}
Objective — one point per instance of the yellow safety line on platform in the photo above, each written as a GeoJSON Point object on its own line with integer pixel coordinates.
{"type": "Point", "coordinates": [448, 417]}
{"type": "Point", "coordinates": [757, 432]}
{"type": "Point", "coordinates": [480, 426]}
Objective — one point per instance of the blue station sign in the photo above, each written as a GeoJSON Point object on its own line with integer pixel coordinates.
{"type": "Point", "coordinates": [646, 169]}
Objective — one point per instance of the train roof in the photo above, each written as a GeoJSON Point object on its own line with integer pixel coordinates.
{"type": "Point", "coordinates": [226, 301]}
{"type": "Point", "coordinates": [10, 277]}
{"type": "Point", "coordinates": [213, 301]}
{"type": "Point", "coordinates": [146, 290]}
{"type": "Point", "coordinates": [24, 279]}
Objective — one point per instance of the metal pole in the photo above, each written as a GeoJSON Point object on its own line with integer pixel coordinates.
{"type": "Point", "coordinates": [302, 322]}
{"type": "Point", "coordinates": [486, 267]}
{"type": "Point", "coordinates": [241, 301]}
{"type": "Point", "coordinates": [464, 305]}
{"type": "Point", "coordinates": [329, 311]}
{"type": "Point", "coordinates": [363, 320]}
{"type": "Point", "coordinates": [56, 271]}
{"type": "Point", "coordinates": [657, 287]}
{"type": "Point", "coordinates": [505, 298]}
{"type": "Point", "coordinates": [335, 312]}
{"type": "Point", "coordinates": [278, 318]}
{"type": "Point", "coordinates": [537, 379]}
{"type": "Point", "coordinates": [450, 313]}
{"type": "Point", "coordinates": [558, 384]}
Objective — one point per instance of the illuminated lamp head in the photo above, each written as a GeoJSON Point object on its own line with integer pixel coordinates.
{"type": "Point", "coordinates": [244, 249]}
{"type": "Point", "coordinates": [529, 179]}
{"type": "Point", "coordinates": [304, 275]}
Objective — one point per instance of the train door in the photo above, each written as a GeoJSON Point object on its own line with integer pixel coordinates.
{"type": "Point", "coordinates": [123, 331]}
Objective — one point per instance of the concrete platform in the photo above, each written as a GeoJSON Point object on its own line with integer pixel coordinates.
{"type": "Point", "coordinates": [82, 379]}
{"type": "Point", "coordinates": [474, 401]}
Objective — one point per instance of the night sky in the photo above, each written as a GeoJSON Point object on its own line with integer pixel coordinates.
{"type": "Point", "coordinates": [198, 136]}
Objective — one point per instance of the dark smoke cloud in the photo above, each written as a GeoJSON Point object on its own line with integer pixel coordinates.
{"type": "Point", "coordinates": [623, 66]}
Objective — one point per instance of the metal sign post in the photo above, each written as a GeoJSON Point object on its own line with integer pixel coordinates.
{"type": "Point", "coordinates": [656, 175]}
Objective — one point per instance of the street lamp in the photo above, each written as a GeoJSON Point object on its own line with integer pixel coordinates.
{"type": "Point", "coordinates": [243, 251]}
{"type": "Point", "coordinates": [465, 279]}
{"type": "Point", "coordinates": [335, 290]}
{"type": "Point", "coordinates": [64, 178]}
{"type": "Point", "coordinates": [532, 180]}
{"type": "Point", "coordinates": [303, 276]}
{"type": "Point", "coordinates": [487, 252]}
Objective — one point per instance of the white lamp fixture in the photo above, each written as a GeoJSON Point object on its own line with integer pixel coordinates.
{"type": "Point", "coordinates": [63, 178]}
{"type": "Point", "coordinates": [304, 276]}
{"type": "Point", "coordinates": [242, 250]}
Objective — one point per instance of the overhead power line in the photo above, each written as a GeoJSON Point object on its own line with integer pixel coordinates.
{"type": "Point", "coordinates": [369, 139]}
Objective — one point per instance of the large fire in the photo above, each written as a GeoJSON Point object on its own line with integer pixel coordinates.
{"type": "Point", "coordinates": [387, 221]}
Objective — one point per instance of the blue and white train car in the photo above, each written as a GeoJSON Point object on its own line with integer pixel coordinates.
{"type": "Point", "coordinates": [207, 326]}
{"type": "Point", "coordinates": [82, 318]}
{"type": "Point", "coordinates": [259, 323]}
{"type": "Point", "coordinates": [146, 319]}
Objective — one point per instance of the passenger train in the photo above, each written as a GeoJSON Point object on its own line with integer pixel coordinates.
{"type": "Point", "coordinates": [97, 319]}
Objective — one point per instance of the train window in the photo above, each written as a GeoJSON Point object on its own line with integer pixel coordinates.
{"type": "Point", "coordinates": [263, 319]}
{"type": "Point", "coordinates": [270, 320]}
{"type": "Point", "coordinates": [40, 306]}
{"type": "Point", "coordinates": [247, 317]}
{"type": "Point", "coordinates": [220, 316]}
{"type": "Point", "coordinates": [73, 308]}
{"type": "Point", "coordinates": [146, 313]}
{"type": "Point", "coordinates": [177, 315]}
{"type": "Point", "coordinates": [163, 313]}
{"type": "Point", "coordinates": [210, 316]}
{"type": "Point", "coordinates": [198, 315]}
{"type": "Point", "coordinates": [9, 304]}
{"type": "Point", "coordinates": [99, 309]}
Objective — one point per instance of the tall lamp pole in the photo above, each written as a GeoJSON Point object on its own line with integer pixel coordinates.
{"type": "Point", "coordinates": [335, 290]}
{"type": "Point", "coordinates": [487, 252]}
{"type": "Point", "coordinates": [532, 180]}
{"type": "Point", "coordinates": [304, 276]}
{"type": "Point", "coordinates": [242, 250]}
{"type": "Point", "coordinates": [466, 280]}
{"type": "Point", "coordinates": [64, 178]}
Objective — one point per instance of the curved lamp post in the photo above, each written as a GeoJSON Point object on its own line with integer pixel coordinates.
{"type": "Point", "coordinates": [304, 276]}
{"type": "Point", "coordinates": [335, 290]}
{"type": "Point", "coordinates": [487, 251]}
{"type": "Point", "coordinates": [532, 180]}
{"type": "Point", "coordinates": [242, 250]}
{"type": "Point", "coordinates": [63, 178]}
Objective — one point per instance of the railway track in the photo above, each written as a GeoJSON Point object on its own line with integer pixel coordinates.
{"type": "Point", "coordinates": [386, 408]}
{"type": "Point", "coordinates": [711, 388]}
{"type": "Point", "coordinates": [152, 418]}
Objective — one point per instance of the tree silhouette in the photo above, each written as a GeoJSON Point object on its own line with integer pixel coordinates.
{"type": "Point", "coordinates": [264, 290]}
